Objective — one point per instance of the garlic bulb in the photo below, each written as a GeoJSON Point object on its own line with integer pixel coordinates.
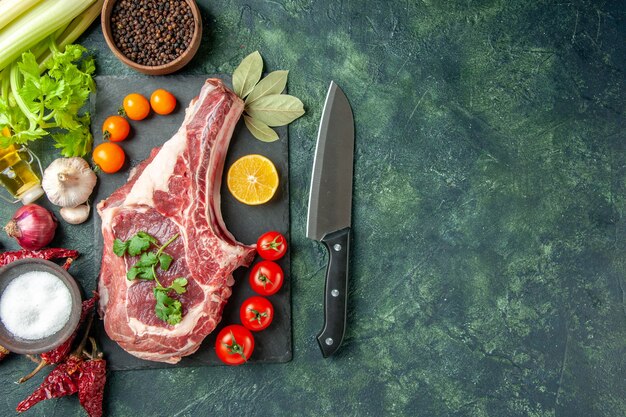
{"type": "Point", "coordinates": [75, 215]}
{"type": "Point", "coordinates": [68, 182]}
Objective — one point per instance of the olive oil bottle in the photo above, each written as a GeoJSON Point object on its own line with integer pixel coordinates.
{"type": "Point", "coordinates": [17, 176]}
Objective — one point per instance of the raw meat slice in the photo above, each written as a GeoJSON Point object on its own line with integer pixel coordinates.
{"type": "Point", "coordinates": [175, 190]}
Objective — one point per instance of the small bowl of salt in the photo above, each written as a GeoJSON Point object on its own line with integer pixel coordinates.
{"type": "Point", "coordinates": [40, 306]}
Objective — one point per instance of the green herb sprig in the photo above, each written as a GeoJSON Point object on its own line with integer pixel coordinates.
{"type": "Point", "coordinates": [33, 106]}
{"type": "Point", "coordinates": [167, 309]}
{"type": "Point", "coordinates": [265, 105]}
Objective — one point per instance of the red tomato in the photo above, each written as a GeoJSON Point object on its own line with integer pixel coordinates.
{"type": "Point", "coordinates": [271, 246]}
{"type": "Point", "coordinates": [256, 313]}
{"type": "Point", "coordinates": [115, 128]}
{"type": "Point", "coordinates": [234, 344]}
{"type": "Point", "coordinates": [266, 277]}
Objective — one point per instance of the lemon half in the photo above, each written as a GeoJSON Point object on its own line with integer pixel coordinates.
{"type": "Point", "coordinates": [253, 179]}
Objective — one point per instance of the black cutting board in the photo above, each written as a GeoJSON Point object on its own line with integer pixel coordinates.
{"type": "Point", "coordinates": [245, 222]}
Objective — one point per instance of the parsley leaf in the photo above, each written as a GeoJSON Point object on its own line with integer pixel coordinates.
{"type": "Point", "coordinates": [139, 272]}
{"type": "Point", "coordinates": [179, 285]}
{"type": "Point", "coordinates": [132, 273]}
{"type": "Point", "coordinates": [145, 235]}
{"type": "Point", "coordinates": [143, 268]}
{"type": "Point", "coordinates": [136, 245]}
{"type": "Point", "coordinates": [140, 243]}
{"type": "Point", "coordinates": [146, 260]}
{"type": "Point", "coordinates": [165, 261]}
{"type": "Point", "coordinates": [119, 247]}
{"type": "Point", "coordinates": [167, 309]}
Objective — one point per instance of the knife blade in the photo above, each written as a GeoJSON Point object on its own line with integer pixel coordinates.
{"type": "Point", "coordinates": [330, 207]}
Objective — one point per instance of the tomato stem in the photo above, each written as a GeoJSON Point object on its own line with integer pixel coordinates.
{"type": "Point", "coordinates": [257, 315]}
{"type": "Point", "coordinates": [235, 348]}
{"type": "Point", "coordinates": [265, 279]}
{"type": "Point", "coordinates": [273, 245]}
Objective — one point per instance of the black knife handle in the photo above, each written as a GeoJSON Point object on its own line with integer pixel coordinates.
{"type": "Point", "coordinates": [335, 291]}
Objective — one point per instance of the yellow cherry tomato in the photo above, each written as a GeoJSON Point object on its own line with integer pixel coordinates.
{"type": "Point", "coordinates": [115, 128]}
{"type": "Point", "coordinates": [136, 106]}
{"type": "Point", "coordinates": [162, 101]}
{"type": "Point", "coordinates": [109, 157]}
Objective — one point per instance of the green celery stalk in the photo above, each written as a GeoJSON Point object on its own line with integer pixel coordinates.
{"type": "Point", "coordinates": [4, 85]}
{"type": "Point", "coordinates": [71, 32]}
{"type": "Point", "coordinates": [35, 25]}
{"type": "Point", "coordinates": [43, 48]}
{"type": "Point", "coordinates": [80, 24]}
{"type": "Point", "coordinates": [14, 80]}
{"type": "Point", "coordinates": [11, 9]}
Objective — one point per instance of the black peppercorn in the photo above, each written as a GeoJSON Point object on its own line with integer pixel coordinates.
{"type": "Point", "coordinates": [152, 32]}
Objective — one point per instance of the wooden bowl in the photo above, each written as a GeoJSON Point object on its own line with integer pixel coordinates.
{"type": "Point", "coordinates": [171, 66]}
{"type": "Point", "coordinates": [19, 345]}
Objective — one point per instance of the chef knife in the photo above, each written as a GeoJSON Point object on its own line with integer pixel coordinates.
{"type": "Point", "coordinates": [330, 205]}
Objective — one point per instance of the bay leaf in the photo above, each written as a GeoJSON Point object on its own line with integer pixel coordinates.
{"type": "Point", "coordinates": [273, 83]}
{"type": "Point", "coordinates": [247, 74]}
{"type": "Point", "coordinates": [260, 130]}
{"type": "Point", "coordinates": [276, 109]}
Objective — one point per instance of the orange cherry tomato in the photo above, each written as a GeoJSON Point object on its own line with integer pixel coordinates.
{"type": "Point", "coordinates": [162, 101]}
{"type": "Point", "coordinates": [136, 106]}
{"type": "Point", "coordinates": [109, 157]}
{"type": "Point", "coordinates": [116, 128]}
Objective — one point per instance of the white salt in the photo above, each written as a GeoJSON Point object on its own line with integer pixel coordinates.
{"type": "Point", "coordinates": [35, 305]}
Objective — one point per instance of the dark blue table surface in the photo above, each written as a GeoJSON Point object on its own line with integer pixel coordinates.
{"type": "Point", "coordinates": [489, 251]}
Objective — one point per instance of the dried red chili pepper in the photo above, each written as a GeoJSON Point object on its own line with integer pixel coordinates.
{"type": "Point", "coordinates": [59, 353]}
{"type": "Point", "coordinates": [62, 381]}
{"type": "Point", "coordinates": [91, 383]}
{"type": "Point", "coordinates": [48, 254]}
{"type": "Point", "coordinates": [3, 352]}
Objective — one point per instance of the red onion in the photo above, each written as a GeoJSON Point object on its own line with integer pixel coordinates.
{"type": "Point", "coordinates": [32, 226]}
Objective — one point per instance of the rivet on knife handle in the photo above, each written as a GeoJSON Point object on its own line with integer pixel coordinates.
{"type": "Point", "coordinates": [335, 291]}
